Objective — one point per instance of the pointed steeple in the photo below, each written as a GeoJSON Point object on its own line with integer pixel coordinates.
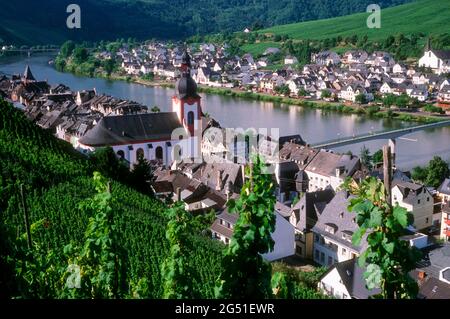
{"type": "Point", "coordinates": [186, 62]}
{"type": "Point", "coordinates": [27, 75]}
{"type": "Point", "coordinates": [428, 45]}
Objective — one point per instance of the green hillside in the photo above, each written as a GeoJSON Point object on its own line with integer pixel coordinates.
{"type": "Point", "coordinates": [56, 180]}
{"type": "Point", "coordinates": [44, 22]}
{"type": "Point", "coordinates": [424, 16]}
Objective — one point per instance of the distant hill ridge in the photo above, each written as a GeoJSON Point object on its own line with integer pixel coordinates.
{"type": "Point", "coordinates": [44, 22]}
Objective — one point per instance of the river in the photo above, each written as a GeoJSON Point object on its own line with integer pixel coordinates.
{"type": "Point", "coordinates": [313, 125]}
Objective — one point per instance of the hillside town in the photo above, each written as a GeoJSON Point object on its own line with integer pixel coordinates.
{"type": "Point", "coordinates": [353, 77]}
{"type": "Point", "coordinates": [198, 162]}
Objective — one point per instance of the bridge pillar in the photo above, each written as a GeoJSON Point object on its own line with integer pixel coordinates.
{"type": "Point", "coordinates": [392, 144]}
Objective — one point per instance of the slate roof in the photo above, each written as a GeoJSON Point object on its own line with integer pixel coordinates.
{"type": "Point", "coordinates": [442, 54]}
{"type": "Point", "coordinates": [445, 187]}
{"type": "Point", "coordinates": [336, 213]}
{"type": "Point", "coordinates": [310, 206]}
{"type": "Point", "coordinates": [325, 163]}
{"type": "Point", "coordinates": [27, 75]}
{"type": "Point", "coordinates": [352, 278]}
{"type": "Point", "coordinates": [133, 128]}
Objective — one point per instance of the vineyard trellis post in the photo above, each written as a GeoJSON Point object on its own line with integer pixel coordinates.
{"type": "Point", "coordinates": [26, 217]}
{"type": "Point", "coordinates": [387, 173]}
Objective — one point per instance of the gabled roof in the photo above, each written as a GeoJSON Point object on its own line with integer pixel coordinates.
{"type": "Point", "coordinates": [445, 187]}
{"type": "Point", "coordinates": [133, 128]}
{"type": "Point", "coordinates": [27, 75]}
{"type": "Point", "coordinates": [352, 278]}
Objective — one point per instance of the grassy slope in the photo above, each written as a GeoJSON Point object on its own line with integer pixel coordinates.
{"type": "Point", "coordinates": [57, 179]}
{"type": "Point", "coordinates": [427, 16]}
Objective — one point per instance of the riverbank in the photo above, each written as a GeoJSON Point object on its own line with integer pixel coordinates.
{"type": "Point", "coordinates": [370, 111]}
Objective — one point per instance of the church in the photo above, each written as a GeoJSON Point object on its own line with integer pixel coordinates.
{"type": "Point", "coordinates": [437, 60]}
{"type": "Point", "coordinates": [159, 137]}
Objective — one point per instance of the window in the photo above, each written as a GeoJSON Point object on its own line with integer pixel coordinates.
{"type": "Point", "coordinates": [418, 201]}
{"type": "Point", "coordinates": [159, 153]}
{"type": "Point", "coordinates": [121, 154]}
{"type": "Point", "coordinates": [344, 251]}
{"type": "Point", "coordinates": [330, 260]}
{"type": "Point", "coordinates": [316, 254]}
{"type": "Point", "coordinates": [139, 153]}
{"type": "Point", "coordinates": [227, 240]}
{"type": "Point", "coordinates": [428, 199]}
{"type": "Point", "coordinates": [427, 220]}
{"type": "Point", "coordinates": [221, 221]}
{"type": "Point", "coordinates": [322, 257]}
{"type": "Point", "coordinates": [228, 225]}
{"type": "Point", "coordinates": [316, 238]}
{"type": "Point", "coordinates": [190, 118]}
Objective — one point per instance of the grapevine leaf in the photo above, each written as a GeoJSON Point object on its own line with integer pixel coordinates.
{"type": "Point", "coordinates": [401, 215]}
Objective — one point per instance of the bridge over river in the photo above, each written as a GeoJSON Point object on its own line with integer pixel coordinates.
{"type": "Point", "coordinates": [390, 135]}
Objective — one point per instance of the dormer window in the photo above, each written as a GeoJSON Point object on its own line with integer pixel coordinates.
{"type": "Point", "coordinates": [347, 235]}
{"type": "Point", "coordinates": [341, 215]}
{"type": "Point", "coordinates": [330, 228]}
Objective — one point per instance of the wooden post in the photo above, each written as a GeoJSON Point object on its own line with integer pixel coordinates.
{"type": "Point", "coordinates": [387, 172]}
{"type": "Point", "coordinates": [178, 194]}
{"type": "Point", "coordinates": [26, 218]}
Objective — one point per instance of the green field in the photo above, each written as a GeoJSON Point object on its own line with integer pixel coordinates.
{"type": "Point", "coordinates": [426, 16]}
{"type": "Point", "coordinates": [259, 48]}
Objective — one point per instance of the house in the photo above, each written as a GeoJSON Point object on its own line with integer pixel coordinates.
{"type": "Point", "coordinates": [350, 93]}
{"type": "Point", "coordinates": [161, 137]}
{"type": "Point", "coordinates": [443, 191]}
{"type": "Point", "coordinates": [333, 232]}
{"type": "Point", "coordinates": [290, 59]}
{"type": "Point", "coordinates": [437, 60]}
{"type": "Point", "coordinates": [344, 280]}
{"type": "Point", "coordinates": [330, 169]}
{"type": "Point", "coordinates": [445, 222]}
{"type": "Point", "coordinates": [444, 95]}
{"type": "Point", "coordinates": [355, 56]}
{"type": "Point", "coordinates": [303, 216]}
{"type": "Point", "coordinates": [270, 51]}
{"type": "Point", "coordinates": [417, 200]}
{"type": "Point", "coordinates": [283, 236]}
{"type": "Point", "coordinates": [326, 58]}
{"type": "Point", "coordinates": [419, 94]}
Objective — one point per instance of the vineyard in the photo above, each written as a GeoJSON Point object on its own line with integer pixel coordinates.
{"type": "Point", "coordinates": [56, 179]}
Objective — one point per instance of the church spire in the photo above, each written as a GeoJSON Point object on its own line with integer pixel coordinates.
{"type": "Point", "coordinates": [27, 75]}
{"type": "Point", "coordinates": [186, 62]}
{"type": "Point", "coordinates": [428, 45]}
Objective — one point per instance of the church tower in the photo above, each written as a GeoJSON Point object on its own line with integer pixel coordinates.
{"type": "Point", "coordinates": [186, 102]}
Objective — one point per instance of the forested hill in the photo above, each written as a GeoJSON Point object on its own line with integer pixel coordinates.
{"type": "Point", "coordinates": [44, 22]}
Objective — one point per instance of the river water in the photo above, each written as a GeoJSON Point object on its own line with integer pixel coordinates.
{"type": "Point", "coordinates": [313, 125]}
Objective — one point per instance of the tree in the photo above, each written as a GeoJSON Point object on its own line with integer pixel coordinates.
{"type": "Point", "coordinates": [106, 162]}
{"type": "Point", "coordinates": [109, 66]}
{"type": "Point", "coordinates": [377, 157]}
{"type": "Point", "coordinates": [419, 174]}
{"type": "Point", "coordinates": [365, 157]}
{"type": "Point", "coordinates": [142, 175]}
{"type": "Point", "coordinates": [67, 49]}
{"type": "Point", "coordinates": [361, 99]}
{"type": "Point", "coordinates": [325, 94]}
{"type": "Point", "coordinates": [80, 54]}
{"type": "Point", "coordinates": [155, 109]}
{"type": "Point", "coordinates": [389, 100]}
{"type": "Point", "coordinates": [387, 259]}
{"type": "Point", "coordinates": [246, 274]}
{"type": "Point", "coordinates": [438, 170]}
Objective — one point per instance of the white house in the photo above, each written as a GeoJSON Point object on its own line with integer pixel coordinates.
{"type": "Point", "coordinates": [344, 280]}
{"type": "Point", "coordinates": [437, 60]}
{"type": "Point", "coordinates": [417, 199]}
{"type": "Point", "coordinates": [283, 236]}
